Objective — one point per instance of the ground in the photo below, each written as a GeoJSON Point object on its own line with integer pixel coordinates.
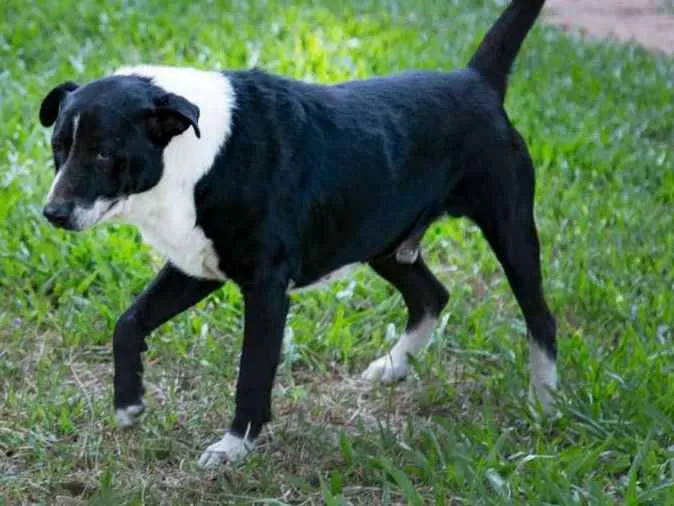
{"type": "Point", "coordinates": [646, 22]}
{"type": "Point", "coordinates": [599, 117]}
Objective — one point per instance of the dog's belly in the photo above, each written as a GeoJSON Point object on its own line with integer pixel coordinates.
{"type": "Point", "coordinates": [323, 281]}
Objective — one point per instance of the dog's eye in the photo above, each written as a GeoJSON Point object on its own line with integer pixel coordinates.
{"type": "Point", "coordinates": [101, 157]}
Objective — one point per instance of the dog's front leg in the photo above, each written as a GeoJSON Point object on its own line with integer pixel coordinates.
{"type": "Point", "coordinates": [170, 293]}
{"type": "Point", "coordinates": [266, 307]}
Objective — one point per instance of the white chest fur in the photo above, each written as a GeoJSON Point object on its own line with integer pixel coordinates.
{"type": "Point", "coordinates": [166, 214]}
{"type": "Point", "coordinates": [166, 219]}
{"type": "Point", "coordinates": [193, 254]}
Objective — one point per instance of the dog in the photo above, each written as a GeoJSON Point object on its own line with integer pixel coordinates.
{"type": "Point", "coordinates": [276, 184]}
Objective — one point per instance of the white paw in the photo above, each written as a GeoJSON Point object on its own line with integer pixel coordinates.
{"type": "Point", "coordinates": [130, 415]}
{"type": "Point", "coordinates": [543, 380]}
{"type": "Point", "coordinates": [543, 395]}
{"type": "Point", "coordinates": [386, 370]}
{"type": "Point", "coordinates": [230, 448]}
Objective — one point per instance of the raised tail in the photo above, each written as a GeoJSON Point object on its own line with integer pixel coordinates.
{"type": "Point", "coordinates": [497, 51]}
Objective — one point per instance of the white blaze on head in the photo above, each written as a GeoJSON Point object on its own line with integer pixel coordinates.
{"type": "Point", "coordinates": [57, 179]}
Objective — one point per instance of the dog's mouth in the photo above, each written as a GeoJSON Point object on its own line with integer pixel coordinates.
{"type": "Point", "coordinates": [86, 217]}
{"type": "Point", "coordinates": [111, 209]}
{"type": "Point", "coordinates": [112, 204]}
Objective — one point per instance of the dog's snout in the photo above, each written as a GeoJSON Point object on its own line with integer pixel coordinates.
{"type": "Point", "coordinates": [59, 213]}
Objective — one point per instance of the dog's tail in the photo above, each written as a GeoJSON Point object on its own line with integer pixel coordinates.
{"type": "Point", "coordinates": [497, 51]}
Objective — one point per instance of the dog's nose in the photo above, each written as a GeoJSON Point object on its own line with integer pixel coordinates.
{"type": "Point", "coordinates": [59, 212]}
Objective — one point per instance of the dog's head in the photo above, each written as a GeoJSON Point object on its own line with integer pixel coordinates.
{"type": "Point", "coordinates": [107, 142]}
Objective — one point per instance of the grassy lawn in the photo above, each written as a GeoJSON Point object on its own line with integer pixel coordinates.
{"type": "Point", "coordinates": [599, 119]}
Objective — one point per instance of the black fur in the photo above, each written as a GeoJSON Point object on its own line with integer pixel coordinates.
{"type": "Point", "coordinates": [316, 177]}
{"type": "Point", "coordinates": [171, 116]}
{"type": "Point", "coordinates": [52, 102]}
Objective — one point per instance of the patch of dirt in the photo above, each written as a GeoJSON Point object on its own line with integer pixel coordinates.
{"type": "Point", "coordinates": [646, 22]}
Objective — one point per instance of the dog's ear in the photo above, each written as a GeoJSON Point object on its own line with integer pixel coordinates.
{"type": "Point", "coordinates": [171, 116]}
{"type": "Point", "coordinates": [51, 104]}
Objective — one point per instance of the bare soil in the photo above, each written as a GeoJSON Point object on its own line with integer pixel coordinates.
{"type": "Point", "coordinates": [649, 23]}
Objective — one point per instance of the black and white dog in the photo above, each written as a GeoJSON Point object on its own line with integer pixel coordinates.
{"type": "Point", "coordinates": [276, 184]}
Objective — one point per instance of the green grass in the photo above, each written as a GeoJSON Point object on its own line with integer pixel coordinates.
{"type": "Point", "coordinates": [599, 118]}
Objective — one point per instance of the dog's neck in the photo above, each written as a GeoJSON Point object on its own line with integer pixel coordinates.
{"type": "Point", "coordinates": [187, 158]}
{"type": "Point", "coordinates": [166, 214]}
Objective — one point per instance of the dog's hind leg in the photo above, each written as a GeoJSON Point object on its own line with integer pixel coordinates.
{"type": "Point", "coordinates": [425, 297]}
{"type": "Point", "coordinates": [506, 217]}
{"type": "Point", "coordinates": [517, 249]}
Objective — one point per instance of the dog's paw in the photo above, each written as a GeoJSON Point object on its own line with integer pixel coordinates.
{"type": "Point", "coordinates": [543, 382]}
{"type": "Point", "coordinates": [541, 401]}
{"type": "Point", "coordinates": [230, 449]}
{"type": "Point", "coordinates": [130, 415]}
{"type": "Point", "coordinates": [386, 370]}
